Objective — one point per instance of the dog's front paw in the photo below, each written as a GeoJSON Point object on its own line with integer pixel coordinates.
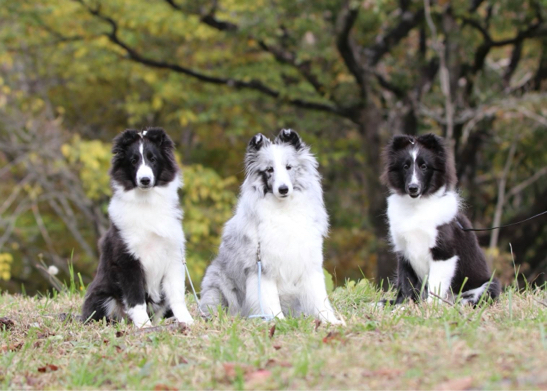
{"type": "Point", "coordinates": [185, 318]}
{"type": "Point", "coordinates": [332, 319]}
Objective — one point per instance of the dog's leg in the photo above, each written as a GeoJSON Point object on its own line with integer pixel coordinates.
{"type": "Point", "coordinates": [269, 295]}
{"type": "Point", "coordinates": [440, 278]}
{"type": "Point", "coordinates": [133, 290]}
{"type": "Point", "coordinates": [408, 283]}
{"type": "Point", "coordinates": [314, 299]}
{"type": "Point", "coordinates": [174, 289]}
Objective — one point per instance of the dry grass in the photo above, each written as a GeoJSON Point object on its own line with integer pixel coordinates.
{"type": "Point", "coordinates": [416, 347]}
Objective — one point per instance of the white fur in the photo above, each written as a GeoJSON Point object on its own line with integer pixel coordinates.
{"type": "Point", "coordinates": [414, 179]}
{"type": "Point", "coordinates": [440, 277]}
{"type": "Point", "coordinates": [144, 171]}
{"type": "Point", "coordinates": [150, 225]}
{"type": "Point", "coordinates": [281, 174]}
{"type": "Point", "coordinates": [290, 231]}
{"type": "Point", "coordinates": [477, 292]}
{"type": "Point", "coordinates": [138, 315]}
{"type": "Point", "coordinates": [413, 230]}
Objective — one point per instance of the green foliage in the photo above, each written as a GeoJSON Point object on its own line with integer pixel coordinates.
{"type": "Point", "coordinates": [207, 201]}
{"type": "Point", "coordinates": [91, 158]}
{"type": "Point", "coordinates": [61, 71]}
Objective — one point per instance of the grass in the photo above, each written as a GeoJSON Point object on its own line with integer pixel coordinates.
{"type": "Point", "coordinates": [423, 346]}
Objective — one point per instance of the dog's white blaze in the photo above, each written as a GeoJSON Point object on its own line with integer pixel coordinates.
{"type": "Point", "coordinates": [413, 225]}
{"type": "Point", "coordinates": [150, 226]}
{"type": "Point", "coordinates": [139, 316]}
{"type": "Point", "coordinates": [440, 276]}
{"type": "Point", "coordinates": [281, 174]}
{"type": "Point", "coordinates": [414, 179]}
{"type": "Point", "coordinates": [144, 171]}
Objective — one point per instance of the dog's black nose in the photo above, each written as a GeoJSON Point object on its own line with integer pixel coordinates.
{"type": "Point", "coordinates": [283, 189]}
{"type": "Point", "coordinates": [145, 181]}
{"type": "Point", "coordinates": [413, 189]}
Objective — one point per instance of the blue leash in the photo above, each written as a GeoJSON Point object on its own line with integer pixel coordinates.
{"type": "Point", "coordinates": [259, 265]}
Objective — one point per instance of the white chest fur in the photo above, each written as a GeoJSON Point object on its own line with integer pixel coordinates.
{"type": "Point", "coordinates": [291, 237]}
{"type": "Point", "coordinates": [150, 225]}
{"type": "Point", "coordinates": [413, 225]}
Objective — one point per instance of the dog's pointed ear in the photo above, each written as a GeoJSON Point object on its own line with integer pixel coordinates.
{"type": "Point", "coordinates": [123, 140]}
{"type": "Point", "coordinates": [432, 142]}
{"type": "Point", "coordinates": [257, 142]}
{"type": "Point", "coordinates": [289, 136]}
{"type": "Point", "coordinates": [158, 137]}
{"type": "Point", "coordinates": [401, 141]}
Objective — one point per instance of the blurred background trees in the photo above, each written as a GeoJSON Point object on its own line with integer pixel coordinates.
{"type": "Point", "coordinates": [346, 74]}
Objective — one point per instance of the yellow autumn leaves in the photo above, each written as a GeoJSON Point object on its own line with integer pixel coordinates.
{"type": "Point", "coordinates": [6, 259]}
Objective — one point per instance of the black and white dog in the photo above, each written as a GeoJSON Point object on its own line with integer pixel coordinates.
{"type": "Point", "coordinates": [426, 221]}
{"type": "Point", "coordinates": [141, 268]}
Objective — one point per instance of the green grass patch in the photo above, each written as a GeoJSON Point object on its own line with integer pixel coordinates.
{"type": "Point", "coordinates": [425, 346]}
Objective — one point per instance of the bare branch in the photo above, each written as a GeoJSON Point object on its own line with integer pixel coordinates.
{"type": "Point", "coordinates": [530, 181]}
{"type": "Point", "coordinates": [444, 74]}
{"type": "Point", "coordinates": [255, 85]}
{"type": "Point", "coordinates": [346, 47]}
{"type": "Point", "coordinates": [209, 18]}
{"type": "Point", "coordinates": [385, 43]}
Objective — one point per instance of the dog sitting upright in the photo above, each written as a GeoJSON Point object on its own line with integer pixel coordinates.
{"type": "Point", "coordinates": [141, 267]}
{"type": "Point", "coordinates": [425, 225]}
{"type": "Point", "coordinates": [281, 219]}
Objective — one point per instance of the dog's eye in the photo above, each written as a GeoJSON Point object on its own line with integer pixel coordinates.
{"type": "Point", "coordinates": [151, 158]}
{"type": "Point", "coordinates": [134, 161]}
{"type": "Point", "coordinates": [406, 166]}
{"type": "Point", "coordinates": [270, 170]}
{"type": "Point", "coordinates": [288, 167]}
{"type": "Point", "coordinates": [423, 166]}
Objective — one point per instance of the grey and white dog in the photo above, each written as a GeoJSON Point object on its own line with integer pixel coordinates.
{"type": "Point", "coordinates": [281, 217]}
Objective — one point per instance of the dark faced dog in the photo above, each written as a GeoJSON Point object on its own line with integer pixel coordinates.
{"type": "Point", "coordinates": [141, 268]}
{"type": "Point", "coordinates": [426, 222]}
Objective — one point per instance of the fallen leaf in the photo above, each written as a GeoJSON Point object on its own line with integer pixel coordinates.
{"type": "Point", "coordinates": [333, 336]}
{"type": "Point", "coordinates": [6, 323]}
{"type": "Point", "coordinates": [52, 367]}
{"type": "Point", "coordinates": [118, 349]}
{"type": "Point", "coordinates": [13, 347]}
{"type": "Point", "coordinates": [272, 331]}
{"type": "Point", "coordinates": [231, 369]}
{"type": "Point", "coordinates": [277, 347]}
{"type": "Point", "coordinates": [120, 334]}
{"type": "Point", "coordinates": [465, 383]}
{"type": "Point", "coordinates": [163, 387]}
{"type": "Point", "coordinates": [48, 368]}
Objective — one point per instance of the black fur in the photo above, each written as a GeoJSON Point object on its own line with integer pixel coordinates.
{"type": "Point", "coordinates": [158, 155]}
{"type": "Point", "coordinates": [434, 166]}
{"type": "Point", "coordinates": [289, 136]}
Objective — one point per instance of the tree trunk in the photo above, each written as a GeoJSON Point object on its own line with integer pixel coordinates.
{"type": "Point", "coordinates": [370, 121]}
